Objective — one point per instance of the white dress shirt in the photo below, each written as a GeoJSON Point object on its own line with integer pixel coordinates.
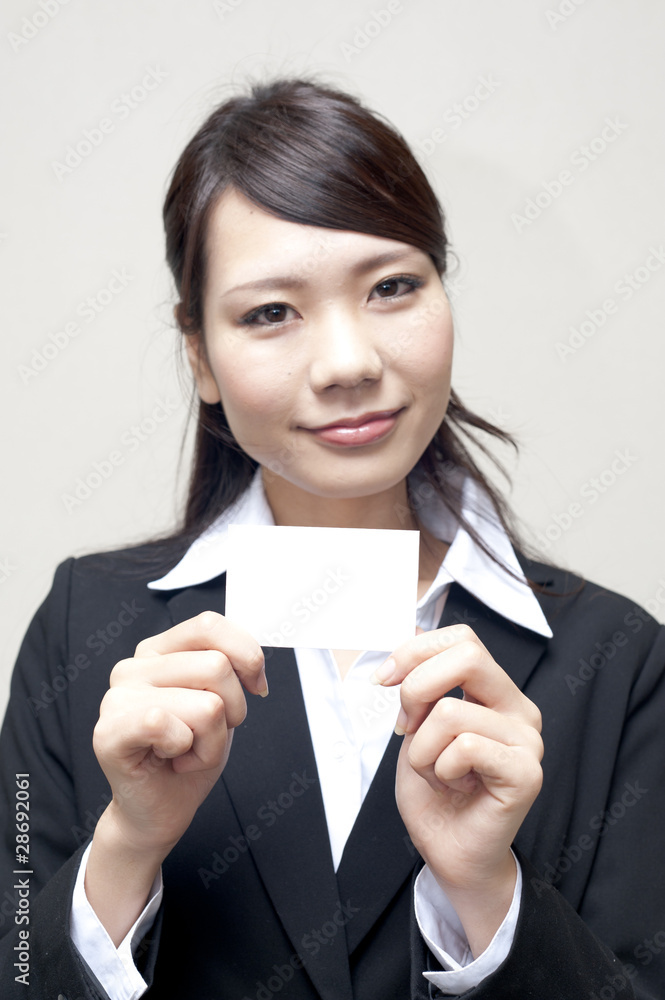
{"type": "Point", "coordinates": [351, 722]}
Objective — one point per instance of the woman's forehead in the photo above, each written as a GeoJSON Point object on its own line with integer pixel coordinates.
{"type": "Point", "coordinates": [250, 247]}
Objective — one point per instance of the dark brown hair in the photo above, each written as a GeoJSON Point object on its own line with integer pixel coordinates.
{"type": "Point", "coordinates": [313, 155]}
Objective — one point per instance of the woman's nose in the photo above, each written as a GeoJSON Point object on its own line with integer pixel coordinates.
{"type": "Point", "coordinates": [343, 352]}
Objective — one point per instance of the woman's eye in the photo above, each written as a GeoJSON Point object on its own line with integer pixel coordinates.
{"type": "Point", "coordinates": [388, 289]}
{"type": "Point", "coordinates": [276, 313]}
{"type": "Point", "coordinates": [271, 315]}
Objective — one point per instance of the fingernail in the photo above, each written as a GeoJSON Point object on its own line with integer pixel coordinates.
{"type": "Point", "coordinates": [400, 725]}
{"type": "Point", "coordinates": [263, 689]}
{"type": "Point", "coordinates": [384, 672]}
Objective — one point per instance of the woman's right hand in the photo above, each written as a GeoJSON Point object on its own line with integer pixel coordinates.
{"type": "Point", "coordinates": [163, 738]}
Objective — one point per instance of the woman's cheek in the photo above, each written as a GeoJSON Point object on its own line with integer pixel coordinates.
{"type": "Point", "coordinates": [440, 346]}
{"type": "Point", "coordinates": [250, 409]}
{"type": "Point", "coordinates": [258, 407]}
{"type": "Point", "coordinates": [427, 337]}
{"type": "Point", "coordinates": [428, 364]}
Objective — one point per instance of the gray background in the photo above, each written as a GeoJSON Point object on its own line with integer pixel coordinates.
{"type": "Point", "coordinates": [555, 79]}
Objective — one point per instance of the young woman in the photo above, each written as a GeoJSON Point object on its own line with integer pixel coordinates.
{"type": "Point", "coordinates": [335, 838]}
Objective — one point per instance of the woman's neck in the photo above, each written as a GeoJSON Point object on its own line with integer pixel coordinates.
{"type": "Point", "coordinates": [291, 505]}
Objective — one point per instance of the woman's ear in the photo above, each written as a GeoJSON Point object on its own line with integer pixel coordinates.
{"type": "Point", "coordinates": [198, 360]}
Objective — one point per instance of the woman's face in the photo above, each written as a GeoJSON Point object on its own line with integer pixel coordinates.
{"type": "Point", "coordinates": [330, 351]}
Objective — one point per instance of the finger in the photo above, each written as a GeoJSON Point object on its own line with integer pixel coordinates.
{"type": "Point", "coordinates": [420, 647]}
{"type": "Point", "coordinates": [209, 755]}
{"type": "Point", "coordinates": [210, 630]}
{"type": "Point", "coordinates": [124, 741]}
{"type": "Point", "coordinates": [468, 665]}
{"type": "Point", "coordinates": [510, 773]}
{"type": "Point", "coordinates": [203, 670]}
{"type": "Point", "coordinates": [451, 718]}
{"type": "Point", "coordinates": [173, 722]}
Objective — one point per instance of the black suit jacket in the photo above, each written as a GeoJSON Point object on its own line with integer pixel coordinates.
{"type": "Point", "coordinates": [253, 908]}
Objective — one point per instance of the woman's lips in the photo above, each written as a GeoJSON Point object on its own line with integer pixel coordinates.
{"type": "Point", "coordinates": [358, 431]}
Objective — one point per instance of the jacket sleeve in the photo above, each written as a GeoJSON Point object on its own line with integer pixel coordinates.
{"type": "Point", "coordinates": [624, 901]}
{"type": "Point", "coordinates": [613, 944]}
{"type": "Point", "coordinates": [38, 867]}
{"type": "Point", "coordinates": [554, 956]}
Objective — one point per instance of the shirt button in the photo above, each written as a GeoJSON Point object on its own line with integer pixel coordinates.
{"type": "Point", "coordinates": [340, 749]}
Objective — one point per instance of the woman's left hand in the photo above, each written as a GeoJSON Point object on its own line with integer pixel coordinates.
{"type": "Point", "coordinates": [468, 771]}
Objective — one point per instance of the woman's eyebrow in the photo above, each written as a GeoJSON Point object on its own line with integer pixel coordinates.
{"type": "Point", "coordinates": [296, 281]}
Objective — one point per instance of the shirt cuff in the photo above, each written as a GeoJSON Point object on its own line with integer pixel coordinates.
{"type": "Point", "coordinates": [114, 968]}
{"type": "Point", "coordinates": [438, 922]}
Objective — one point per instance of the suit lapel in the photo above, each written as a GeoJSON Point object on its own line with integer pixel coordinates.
{"type": "Point", "coordinates": [272, 775]}
{"type": "Point", "coordinates": [515, 648]}
{"type": "Point", "coordinates": [379, 855]}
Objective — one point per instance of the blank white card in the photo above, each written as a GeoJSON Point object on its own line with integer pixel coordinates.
{"type": "Point", "coordinates": [328, 588]}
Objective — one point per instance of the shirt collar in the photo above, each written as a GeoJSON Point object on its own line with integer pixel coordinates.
{"type": "Point", "coordinates": [465, 562]}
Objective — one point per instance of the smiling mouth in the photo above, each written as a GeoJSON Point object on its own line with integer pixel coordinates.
{"type": "Point", "coordinates": [352, 432]}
